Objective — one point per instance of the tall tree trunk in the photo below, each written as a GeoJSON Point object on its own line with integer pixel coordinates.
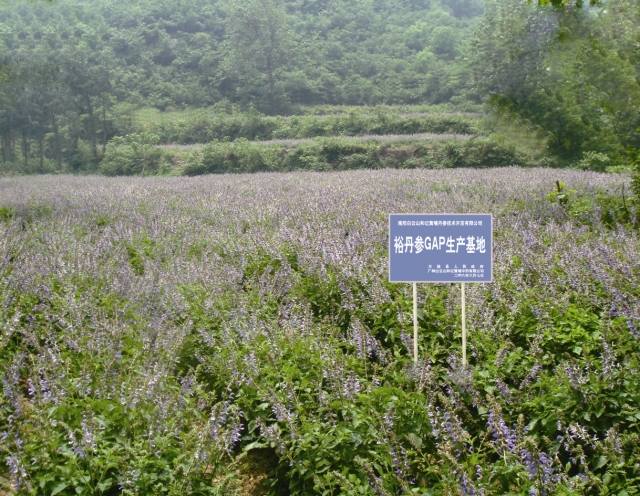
{"type": "Point", "coordinates": [11, 141]}
{"type": "Point", "coordinates": [92, 129]}
{"type": "Point", "coordinates": [25, 149]}
{"type": "Point", "coordinates": [104, 129]}
{"type": "Point", "coordinates": [12, 147]}
{"type": "Point", "coordinates": [58, 144]}
{"type": "Point", "coordinates": [270, 82]}
{"type": "Point", "coordinates": [5, 148]}
{"type": "Point", "coordinates": [41, 152]}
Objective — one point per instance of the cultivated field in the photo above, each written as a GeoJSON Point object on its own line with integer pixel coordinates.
{"type": "Point", "coordinates": [236, 334]}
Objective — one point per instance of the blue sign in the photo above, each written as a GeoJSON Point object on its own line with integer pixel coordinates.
{"type": "Point", "coordinates": [440, 248]}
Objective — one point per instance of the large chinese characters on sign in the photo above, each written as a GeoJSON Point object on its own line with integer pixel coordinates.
{"type": "Point", "coordinates": [440, 248]}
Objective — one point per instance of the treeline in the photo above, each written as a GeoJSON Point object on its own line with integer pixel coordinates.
{"type": "Point", "coordinates": [67, 66]}
{"type": "Point", "coordinates": [74, 72]}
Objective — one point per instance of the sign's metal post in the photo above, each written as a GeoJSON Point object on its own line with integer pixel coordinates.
{"type": "Point", "coordinates": [415, 322]}
{"type": "Point", "coordinates": [464, 330]}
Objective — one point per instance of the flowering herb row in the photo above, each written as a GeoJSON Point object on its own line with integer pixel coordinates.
{"type": "Point", "coordinates": [236, 334]}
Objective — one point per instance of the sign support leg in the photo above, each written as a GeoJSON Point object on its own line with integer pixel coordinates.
{"type": "Point", "coordinates": [464, 329]}
{"type": "Point", "coordinates": [415, 322]}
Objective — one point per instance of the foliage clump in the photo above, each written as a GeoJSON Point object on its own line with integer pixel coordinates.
{"type": "Point", "coordinates": [135, 154]}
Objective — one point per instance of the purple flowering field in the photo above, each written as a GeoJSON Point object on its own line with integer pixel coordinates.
{"type": "Point", "coordinates": [237, 335]}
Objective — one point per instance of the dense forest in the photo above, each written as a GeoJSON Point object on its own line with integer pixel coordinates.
{"type": "Point", "coordinates": [75, 74]}
{"type": "Point", "coordinates": [69, 64]}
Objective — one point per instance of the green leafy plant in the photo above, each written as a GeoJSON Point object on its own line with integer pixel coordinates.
{"type": "Point", "coordinates": [135, 154]}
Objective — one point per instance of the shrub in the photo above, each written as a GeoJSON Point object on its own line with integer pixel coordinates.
{"type": "Point", "coordinates": [134, 154]}
{"type": "Point", "coordinates": [595, 161]}
{"type": "Point", "coordinates": [7, 213]}
{"type": "Point", "coordinates": [611, 209]}
{"type": "Point", "coordinates": [239, 156]}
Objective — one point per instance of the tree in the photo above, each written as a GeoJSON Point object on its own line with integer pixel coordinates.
{"type": "Point", "coordinates": [562, 70]}
{"type": "Point", "coordinates": [259, 47]}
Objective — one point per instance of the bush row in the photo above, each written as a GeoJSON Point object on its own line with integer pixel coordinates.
{"type": "Point", "coordinates": [203, 127]}
{"type": "Point", "coordinates": [340, 154]}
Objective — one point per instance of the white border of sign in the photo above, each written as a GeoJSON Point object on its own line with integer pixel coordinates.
{"type": "Point", "coordinates": [435, 282]}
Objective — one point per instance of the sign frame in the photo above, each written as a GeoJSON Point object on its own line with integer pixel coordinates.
{"type": "Point", "coordinates": [422, 281]}
{"type": "Point", "coordinates": [462, 281]}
